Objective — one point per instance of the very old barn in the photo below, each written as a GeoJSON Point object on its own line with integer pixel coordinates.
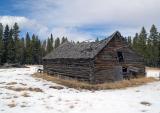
{"type": "Point", "coordinates": [108, 60]}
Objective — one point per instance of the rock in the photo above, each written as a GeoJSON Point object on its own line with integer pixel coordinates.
{"type": "Point", "coordinates": [146, 103]}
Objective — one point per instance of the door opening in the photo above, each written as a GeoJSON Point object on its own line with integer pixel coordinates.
{"type": "Point", "coordinates": [120, 56]}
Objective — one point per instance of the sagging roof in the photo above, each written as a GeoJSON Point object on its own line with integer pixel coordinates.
{"type": "Point", "coordinates": [84, 50]}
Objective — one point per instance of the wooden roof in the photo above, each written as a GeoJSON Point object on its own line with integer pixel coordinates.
{"type": "Point", "coordinates": [84, 50]}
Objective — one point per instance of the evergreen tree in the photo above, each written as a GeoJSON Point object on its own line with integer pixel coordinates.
{"type": "Point", "coordinates": [64, 40]}
{"type": "Point", "coordinates": [129, 40]}
{"type": "Point", "coordinates": [51, 42]}
{"type": "Point", "coordinates": [97, 39]}
{"type": "Point", "coordinates": [154, 35]}
{"type": "Point", "coordinates": [22, 51]}
{"type": "Point", "coordinates": [153, 47]}
{"type": "Point", "coordinates": [49, 45]}
{"type": "Point", "coordinates": [57, 42]}
{"type": "Point", "coordinates": [17, 42]}
{"type": "Point", "coordinates": [43, 48]}
{"type": "Point", "coordinates": [135, 42]}
{"type": "Point", "coordinates": [10, 48]}
{"type": "Point", "coordinates": [1, 43]}
{"type": "Point", "coordinates": [1, 30]}
{"type": "Point", "coordinates": [142, 42]}
{"type": "Point", "coordinates": [51, 38]}
{"type": "Point", "coordinates": [149, 52]}
{"type": "Point", "coordinates": [5, 43]}
{"type": "Point", "coordinates": [148, 47]}
{"type": "Point", "coordinates": [38, 48]}
{"type": "Point", "coordinates": [33, 49]}
{"type": "Point", "coordinates": [159, 50]}
{"type": "Point", "coordinates": [28, 49]}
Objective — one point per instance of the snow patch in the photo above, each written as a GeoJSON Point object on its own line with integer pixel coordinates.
{"type": "Point", "coordinates": [67, 100]}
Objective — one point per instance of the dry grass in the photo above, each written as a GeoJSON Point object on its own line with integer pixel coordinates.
{"type": "Point", "coordinates": [2, 82]}
{"type": "Point", "coordinates": [12, 83]}
{"type": "Point", "coordinates": [15, 96]}
{"type": "Point", "coordinates": [12, 104]}
{"type": "Point", "coordinates": [71, 106]}
{"type": "Point", "coordinates": [24, 89]}
{"type": "Point", "coordinates": [23, 106]}
{"type": "Point", "coordinates": [7, 98]}
{"type": "Point", "coordinates": [23, 84]}
{"type": "Point", "coordinates": [152, 68]}
{"type": "Point", "coordinates": [56, 87]}
{"type": "Point", "coordinates": [25, 94]}
{"type": "Point", "coordinates": [83, 85]}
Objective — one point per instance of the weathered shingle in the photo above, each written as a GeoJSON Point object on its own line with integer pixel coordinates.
{"type": "Point", "coordinates": [81, 50]}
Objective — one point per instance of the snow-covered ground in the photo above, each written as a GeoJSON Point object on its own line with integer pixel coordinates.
{"type": "Point", "coordinates": [151, 72]}
{"type": "Point", "coordinates": [69, 100]}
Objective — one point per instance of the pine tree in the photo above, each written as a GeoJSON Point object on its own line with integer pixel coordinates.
{"type": "Point", "coordinates": [135, 42]}
{"type": "Point", "coordinates": [57, 42]}
{"type": "Point", "coordinates": [10, 48]}
{"type": "Point", "coordinates": [33, 49]}
{"type": "Point", "coordinates": [5, 43]}
{"type": "Point", "coordinates": [22, 51]}
{"type": "Point", "coordinates": [17, 42]}
{"type": "Point", "coordinates": [38, 48]}
{"type": "Point", "coordinates": [153, 46]}
{"type": "Point", "coordinates": [43, 48]}
{"type": "Point", "coordinates": [142, 42]}
{"type": "Point", "coordinates": [28, 50]}
{"type": "Point", "coordinates": [159, 50]}
{"type": "Point", "coordinates": [129, 40]}
{"type": "Point", "coordinates": [153, 35]}
{"type": "Point", "coordinates": [1, 43]}
{"type": "Point", "coordinates": [64, 40]}
{"type": "Point", "coordinates": [149, 52]}
{"type": "Point", "coordinates": [97, 39]}
{"type": "Point", "coordinates": [52, 41]}
{"type": "Point", "coordinates": [49, 45]}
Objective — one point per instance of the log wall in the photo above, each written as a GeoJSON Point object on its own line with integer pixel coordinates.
{"type": "Point", "coordinates": [69, 68]}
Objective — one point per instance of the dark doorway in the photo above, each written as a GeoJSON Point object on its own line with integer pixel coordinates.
{"type": "Point", "coordinates": [124, 70]}
{"type": "Point", "coordinates": [120, 56]}
{"type": "Point", "coordinates": [125, 74]}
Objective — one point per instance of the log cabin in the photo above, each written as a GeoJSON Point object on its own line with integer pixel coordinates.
{"type": "Point", "coordinates": [108, 60]}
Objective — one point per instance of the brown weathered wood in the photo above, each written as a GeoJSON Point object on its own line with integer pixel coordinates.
{"type": "Point", "coordinates": [104, 67]}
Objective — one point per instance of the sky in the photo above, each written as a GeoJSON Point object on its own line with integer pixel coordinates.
{"type": "Point", "coordinates": [80, 20]}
